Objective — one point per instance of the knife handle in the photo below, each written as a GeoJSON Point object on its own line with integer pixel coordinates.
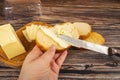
{"type": "Point", "coordinates": [114, 51]}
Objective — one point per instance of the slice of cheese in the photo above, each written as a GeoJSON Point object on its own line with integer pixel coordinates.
{"type": "Point", "coordinates": [9, 41]}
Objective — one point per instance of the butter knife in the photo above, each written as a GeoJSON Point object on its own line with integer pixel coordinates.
{"type": "Point", "coordinates": [91, 46]}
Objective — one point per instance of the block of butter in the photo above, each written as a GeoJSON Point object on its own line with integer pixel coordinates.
{"type": "Point", "coordinates": [10, 42]}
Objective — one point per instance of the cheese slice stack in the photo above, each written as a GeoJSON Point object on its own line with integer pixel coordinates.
{"type": "Point", "coordinates": [9, 42]}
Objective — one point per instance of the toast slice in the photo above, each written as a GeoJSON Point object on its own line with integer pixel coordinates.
{"type": "Point", "coordinates": [84, 29]}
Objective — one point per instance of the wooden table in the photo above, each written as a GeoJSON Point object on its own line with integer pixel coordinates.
{"type": "Point", "coordinates": [104, 16]}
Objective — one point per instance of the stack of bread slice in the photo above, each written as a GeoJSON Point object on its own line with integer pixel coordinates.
{"type": "Point", "coordinates": [45, 35]}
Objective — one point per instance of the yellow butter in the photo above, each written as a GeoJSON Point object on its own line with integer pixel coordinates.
{"type": "Point", "coordinates": [6, 35]}
{"type": "Point", "coordinates": [9, 41]}
{"type": "Point", "coordinates": [13, 49]}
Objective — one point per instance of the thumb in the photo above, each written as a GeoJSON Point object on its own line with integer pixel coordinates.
{"type": "Point", "coordinates": [49, 54]}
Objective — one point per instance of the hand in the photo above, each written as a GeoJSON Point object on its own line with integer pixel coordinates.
{"type": "Point", "coordinates": [42, 66]}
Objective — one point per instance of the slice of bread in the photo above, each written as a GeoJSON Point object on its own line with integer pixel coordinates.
{"type": "Point", "coordinates": [75, 30]}
{"type": "Point", "coordinates": [95, 37]}
{"type": "Point", "coordinates": [45, 38]}
{"type": "Point", "coordinates": [84, 29]}
{"type": "Point", "coordinates": [66, 29]}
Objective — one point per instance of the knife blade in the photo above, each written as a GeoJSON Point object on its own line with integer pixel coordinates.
{"type": "Point", "coordinates": [90, 46]}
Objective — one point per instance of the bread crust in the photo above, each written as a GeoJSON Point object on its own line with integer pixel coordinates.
{"type": "Point", "coordinates": [57, 50]}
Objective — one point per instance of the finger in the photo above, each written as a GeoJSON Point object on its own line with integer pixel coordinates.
{"type": "Point", "coordinates": [61, 58]}
{"type": "Point", "coordinates": [34, 54]}
{"type": "Point", "coordinates": [56, 56]}
{"type": "Point", "coordinates": [54, 67]}
{"type": "Point", "coordinates": [49, 54]}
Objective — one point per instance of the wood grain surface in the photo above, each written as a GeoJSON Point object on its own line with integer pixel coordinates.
{"type": "Point", "coordinates": [103, 15]}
